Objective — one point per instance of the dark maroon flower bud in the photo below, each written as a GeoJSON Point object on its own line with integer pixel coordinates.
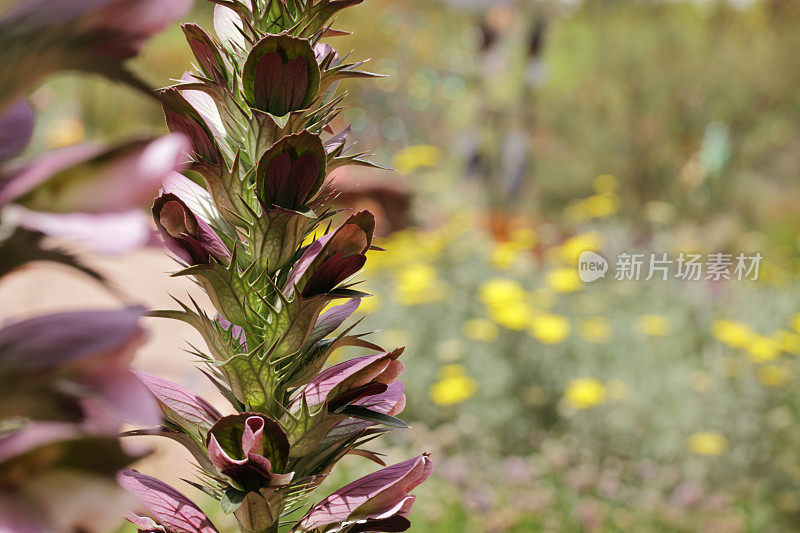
{"type": "Point", "coordinates": [291, 171]}
{"type": "Point", "coordinates": [281, 75]}
{"type": "Point", "coordinates": [43, 36]}
{"type": "Point", "coordinates": [346, 390]}
{"type": "Point", "coordinates": [207, 53]}
{"type": "Point", "coordinates": [333, 257]}
{"type": "Point", "coordinates": [189, 237]}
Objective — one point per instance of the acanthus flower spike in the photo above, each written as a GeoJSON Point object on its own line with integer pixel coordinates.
{"type": "Point", "coordinates": [257, 238]}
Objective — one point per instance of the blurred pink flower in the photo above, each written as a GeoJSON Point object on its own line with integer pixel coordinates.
{"type": "Point", "coordinates": [42, 359]}
{"type": "Point", "coordinates": [91, 194]}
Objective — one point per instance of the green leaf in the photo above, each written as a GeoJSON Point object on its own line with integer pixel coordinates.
{"type": "Point", "coordinates": [220, 342]}
{"type": "Point", "coordinates": [276, 236]}
{"type": "Point", "coordinates": [231, 500]}
{"type": "Point", "coordinates": [359, 411]}
{"type": "Point", "coordinates": [225, 288]}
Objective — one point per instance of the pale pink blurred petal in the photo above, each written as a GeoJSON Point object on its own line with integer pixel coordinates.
{"type": "Point", "coordinates": [110, 233]}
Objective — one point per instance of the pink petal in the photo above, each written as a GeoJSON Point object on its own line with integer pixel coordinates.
{"type": "Point", "coordinates": [176, 512]}
{"type": "Point", "coordinates": [189, 406]}
{"type": "Point", "coordinates": [373, 496]}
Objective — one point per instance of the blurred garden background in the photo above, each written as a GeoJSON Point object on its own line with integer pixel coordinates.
{"type": "Point", "coordinates": [524, 133]}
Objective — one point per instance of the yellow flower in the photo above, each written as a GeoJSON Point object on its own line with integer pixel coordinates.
{"type": "Point", "coordinates": [370, 304]}
{"type": "Point", "coordinates": [64, 131]}
{"type": "Point", "coordinates": [573, 247]}
{"type": "Point", "coordinates": [406, 247]}
{"type": "Point", "coordinates": [584, 393]}
{"type": "Point", "coordinates": [480, 329]}
{"type": "Point", "coordinates": [762, 349]}
{"type": "Point", "coordinates": [707, 443]}
{"type": "Point", "coordinates": [595, 329]}
{"type": "Point", "coordinates": [524, 238]}
{"type": "Point", "coordinates": [515, 315]}
{"type": "Point", "coordinates": [394, 337]}
{"type": "Point", "coordinates": [774, 375]}
{"type": "Point", "coordinates": [500, 292]}
{"type": "Point", "coordinates": [454, 386]}
{"type": "Point", "coordinates": [734, 334]}
{"type": "Point", "coordinates": [654, 325]}
{"type": "Point", "coordinates": [564, 279]}
{"type": "Point", "coordinates": [417, 284]}
{"type": "Point", "coordinates": [605, 184]}
{"type": "Point", "coordinates": [549, 329]}
{"type": "Point", "coordinates": [415, 157]}
{"type": "Point", "coordinates": [788, 341]}
{"type": "Point", "coordinates": [504, 255]}
{"type": "Point", "coordinates": [597, 206]}
{"type": "Point", "coordinates": [601, 205]}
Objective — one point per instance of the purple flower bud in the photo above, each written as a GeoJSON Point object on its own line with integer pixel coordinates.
{"type": "Point", "coordinates": [207, 53]}
{"type": "Point", "coordinates": [353, 385]}
{"type": "Point", "coordinates": [43, 36]}
{"type": "Point", "coordinates": [123, 26]}
{"type": "Point", "coordinates": [333, 257]}
{"type": "Point", "coordinates": [291, 171]}
{"type": "Point", "coordinates": [281, 75]}
{"type": "Point", "coordinates": [179, 404]}
{"type": "Point", "coordinates": [376, 502]}
{"type": "Point", "coordinates": [183, 118]}
{"type": "Point", "coordinates": [186, 235]}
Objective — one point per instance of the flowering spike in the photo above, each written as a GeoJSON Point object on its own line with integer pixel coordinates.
{"type": "Point", "coordinates": [258, 113]}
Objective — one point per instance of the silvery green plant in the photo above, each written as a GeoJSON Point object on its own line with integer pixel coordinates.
{"type": "Point", "coordinates": [251, 223]}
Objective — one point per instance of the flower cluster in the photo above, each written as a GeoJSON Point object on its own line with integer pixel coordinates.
{"type": "Point", "coordinates": [246, 222]}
